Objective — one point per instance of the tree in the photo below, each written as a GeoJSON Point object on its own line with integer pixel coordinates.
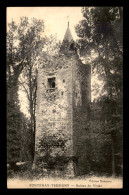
{"type": "Point", "coordinates": [97, 33]}
{"type": "Point", "coordinates": [14, 67]}
{"type": "Point", "coordinates": [23, 44]}
{"type": "Point", "coordinates": [40, 48]}
{"type": "Point", "coordinates": [100, 34]}
{"type": "Point", "coordinates": [13, 127]}
{"type": "Point", "coordinates": [26, 49]}
{"type": "Point", "coordinates": [31, 43]}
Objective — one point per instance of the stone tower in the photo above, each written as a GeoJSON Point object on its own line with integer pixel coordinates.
{"type": "Point", "coordinates": [63, 97]}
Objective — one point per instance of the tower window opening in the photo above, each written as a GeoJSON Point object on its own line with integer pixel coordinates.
{"type": "Point", "coordinates": [72, 46]}
{"type": "Point", "coordinates": [51, 82]}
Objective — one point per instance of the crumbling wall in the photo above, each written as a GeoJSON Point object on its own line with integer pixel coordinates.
{"type": "Point", "coordinates": [81, 100]}
{"type": "Point", "coordinates": [63, 110]}
{"type": "Point", "coordinates": [54, 106]}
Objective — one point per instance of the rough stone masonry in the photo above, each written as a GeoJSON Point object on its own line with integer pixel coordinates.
{"type": "Point", "coordinates": [63, 97]}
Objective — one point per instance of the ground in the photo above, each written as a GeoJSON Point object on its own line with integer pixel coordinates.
{"type": "Point", "coordinates": [30, 179]}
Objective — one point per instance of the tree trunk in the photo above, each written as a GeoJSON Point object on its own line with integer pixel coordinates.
{"type": "Point", "coordinates": [113, 157]}
{"type": "Point", "coordinates": [31, 112]}
{"type": "Point", "coordinates": [107, 68]}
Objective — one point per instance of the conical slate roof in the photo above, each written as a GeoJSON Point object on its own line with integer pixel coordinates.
{"type": "Point", "coordinates": [68, 35]}
{"type": "Point", "coordinates": [67, 43]}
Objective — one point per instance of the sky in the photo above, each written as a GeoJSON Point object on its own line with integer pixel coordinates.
{"type": "Point", "coordinates": [56, 22]}
{"type": "Point", "coordinates": [55, 18]}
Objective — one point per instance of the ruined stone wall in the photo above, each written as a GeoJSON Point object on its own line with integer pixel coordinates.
{"type": "Point", "coordinates": [54, 106]}
{"type": "Point", "coordinates": [64, 109]}
{"type": "Point", "coordinates": [81, 100]}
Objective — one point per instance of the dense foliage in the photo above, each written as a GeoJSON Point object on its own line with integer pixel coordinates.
{"type": "Point", "coordinates": [27, 48]}
{"type": "Point", "coordinates": [100, 34]}
{"type": "Point", "coordinates": [23, 42]}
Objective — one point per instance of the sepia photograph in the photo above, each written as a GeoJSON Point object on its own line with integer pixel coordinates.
{"type": "Point", "coordinates": [64, 78]}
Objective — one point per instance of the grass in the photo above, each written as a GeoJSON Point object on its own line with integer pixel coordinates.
{"type": "Point", "coordinates": [25, 176]}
